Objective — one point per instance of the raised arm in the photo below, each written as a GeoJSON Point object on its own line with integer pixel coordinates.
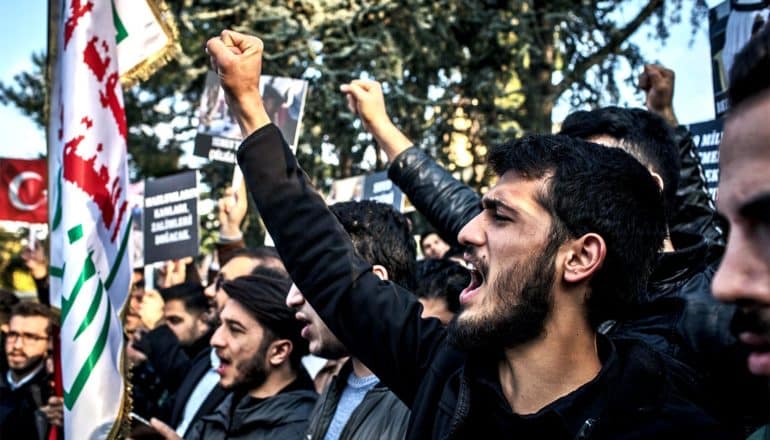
{"type": "Point", "coordinates": [695, 212]}
{"type": "Point", "coordinates": [377, 321]}
{"type": "Point", "coordinates": [447, 203]}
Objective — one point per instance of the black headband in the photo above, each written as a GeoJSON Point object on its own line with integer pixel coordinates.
{"type": "Point", "coordinates": [264, 297]}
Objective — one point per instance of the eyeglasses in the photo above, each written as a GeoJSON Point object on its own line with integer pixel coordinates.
{"type": "Point", "coordinates": [26, 338]}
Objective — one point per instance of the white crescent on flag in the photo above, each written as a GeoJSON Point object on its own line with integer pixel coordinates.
{"type": "Point", "coordinates": [16, 184]}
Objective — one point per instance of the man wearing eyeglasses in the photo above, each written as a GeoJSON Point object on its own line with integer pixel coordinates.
{"type": "Point", "coordinates": [26, 386]}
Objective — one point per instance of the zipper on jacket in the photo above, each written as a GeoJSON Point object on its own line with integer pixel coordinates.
{"type": "Point", "coordinates": [463, 405]}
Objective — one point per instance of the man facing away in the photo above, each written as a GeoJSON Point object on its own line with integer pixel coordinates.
{"type": "Point", "coordinates": [565, 241]}
{"type": "Point", "coordinates": [356, 404]}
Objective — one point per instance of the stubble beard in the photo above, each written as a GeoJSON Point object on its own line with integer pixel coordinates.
{"type": "Point", "coordinates": [523, 303]}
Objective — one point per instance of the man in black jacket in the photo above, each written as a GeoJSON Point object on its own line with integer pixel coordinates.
{"type": "Point", "coordinates": [743, 277]}
{"type": "Point", "coordinates": [260, 349]}
{"type": "Point", "coordinates": [26, 386]}
{"type": "Point", "coordinates": [356, 404]}
{"type": "Point", "coordinates": [199, 392]}
{"type": "Point", "coordinates": [676, 314]}
{"type": "Point", "coordinates": [523, 359]}
{"type": "Point", "coordinates": [185, 310]}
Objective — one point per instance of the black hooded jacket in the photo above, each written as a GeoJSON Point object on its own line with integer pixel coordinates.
{"type": "Point", "coordinates": [283, 416]}
{"type": "Point", "coordinates": [677, 315]}
{"type": "Point", "coordinates": [447, 390]}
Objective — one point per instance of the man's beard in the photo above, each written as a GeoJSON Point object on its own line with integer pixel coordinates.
{"type": "Point", "coordinates": [29, 366]}
{"type": "Point", "coordinates": [524, 302]}
{"type": "Point", "coordinates": [253, 373]}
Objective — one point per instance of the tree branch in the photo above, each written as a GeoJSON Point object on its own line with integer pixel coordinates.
{"type": "Point", "coordinates": [616, 39]}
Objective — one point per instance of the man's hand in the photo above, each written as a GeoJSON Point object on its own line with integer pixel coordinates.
{"type": "Point", "coordinates": [658, 84]}
{"type": "Point", "coordinates": [173, 272]}
{"type": "Point", "coordinates": [366, 100]}
{"type": "Point", "coordinates": [36, 261]}
{"type": "Point", "coordinates": [164, 430]}
{"type": "Point", "coordinates": [233, 207]}
{"type": "Point", "coordinates": [237, 59]}
{"type": "Point", "coordinates": [135, 357]}
{"type": "Point", "coordinates": [54, 410]}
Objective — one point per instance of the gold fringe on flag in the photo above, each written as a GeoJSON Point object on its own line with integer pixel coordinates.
{"type": "Point", "coordinates": [160, 58]}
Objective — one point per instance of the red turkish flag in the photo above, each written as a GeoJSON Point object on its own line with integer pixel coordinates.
{"type": "Point", "coordinates": [24, 190]}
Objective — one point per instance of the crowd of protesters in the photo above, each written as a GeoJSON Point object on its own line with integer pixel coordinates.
{"type": "Point", "coordinates": [594, 292]}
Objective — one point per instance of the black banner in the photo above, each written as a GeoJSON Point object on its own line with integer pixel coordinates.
{"type": "Point", "coordinates": [171, 217]}
{"type": "Point", "coordinates": [707, 136]}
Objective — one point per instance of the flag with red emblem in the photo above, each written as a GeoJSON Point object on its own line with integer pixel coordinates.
{"type": "Point", "coordinates": [88, 218]}
{"type": "Point", "coordinates": [23, 190]}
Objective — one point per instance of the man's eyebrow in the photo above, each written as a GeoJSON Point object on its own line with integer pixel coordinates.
{"type": "Point", "coordinates": [232, 322]}
{"type": "Point", "coordinates": [492, 203]}
{"type": "Point", "coordinates": [757, 208]}
{"type": "Point", "coordinates": [498, 205]}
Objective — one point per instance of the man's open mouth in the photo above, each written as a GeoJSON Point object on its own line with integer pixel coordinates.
{"type": "Point", "coordinates": [477, 279]}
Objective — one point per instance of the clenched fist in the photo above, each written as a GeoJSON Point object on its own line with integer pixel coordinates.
{"type": "Point", "coordinates": [237, 59]}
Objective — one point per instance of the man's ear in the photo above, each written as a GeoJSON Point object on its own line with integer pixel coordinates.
{"type": "Point", "coordinates": [202, 323]}
{"type": "Point", "coordinates": [381, 272]}
{"type": "Point", "coordinates": [585, 255]}
{"type": "Point", "coordinates": [658, 179]}
{"type": "Point", "coordinates": [278, 352]}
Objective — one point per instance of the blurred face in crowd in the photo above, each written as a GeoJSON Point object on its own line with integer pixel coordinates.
{"type": "Point", "coordinates": [241, 343]}
{"type": "Point", "coordinates": [743, 277]}
{"type": "Point", "coordinates": [133, 314]}
{"type": "Point", "coordinates": [26, 344]}
{"type": "Point", "coordinates": [321, 340]}
{"type": "Point", "coordinates": [509, 297]}
{"type": "Point", "coordinates": [433, 246]}
{"type": "Point", "coordinates": [187, 326]}
{"type": "Point", "coordinates": [237, 267]}
{"type": "Point", "coordinates": [151, 308]}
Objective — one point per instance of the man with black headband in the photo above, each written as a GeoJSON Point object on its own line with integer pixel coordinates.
{"type": "Point", "coordinates": [260, 348]}
{"type": "Point", "coordinates": [199, 393]}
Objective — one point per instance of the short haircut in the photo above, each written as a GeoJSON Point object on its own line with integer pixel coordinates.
{"type": "Point", "coordinates": [29, 309]}
{"type": "Point", "coordinates": [595, 189]}
{"type": "Point", "coordinates": [264, 298]}
{"type": "Point", "coordinates": [643, 134]}
{"type": "Point", "coordinates": [7, 300]}
{"type": "Point", "coordinates": [265, 255]}
{"type": "Point", "coordinates": [190, 293]}
{"type": "Point", "coordinates": [380, 235]}
{"type": "Point", "coordinates": [427, 234]}
{"type": "Point", "coordinates": [750, 74]}
{"type": "Point", "coordinates": [442, 278]}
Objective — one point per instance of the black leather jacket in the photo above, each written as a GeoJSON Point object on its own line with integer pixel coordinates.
{"type": "Point", "coordinates": [678, 315]}
{"type": "Point", "coordinates": [381, 415]}
{"type": "Point", "coordinates": [695, 210]}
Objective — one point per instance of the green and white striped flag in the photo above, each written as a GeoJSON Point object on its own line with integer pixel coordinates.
{"type": "Point", "coordinates": [88, 218]}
